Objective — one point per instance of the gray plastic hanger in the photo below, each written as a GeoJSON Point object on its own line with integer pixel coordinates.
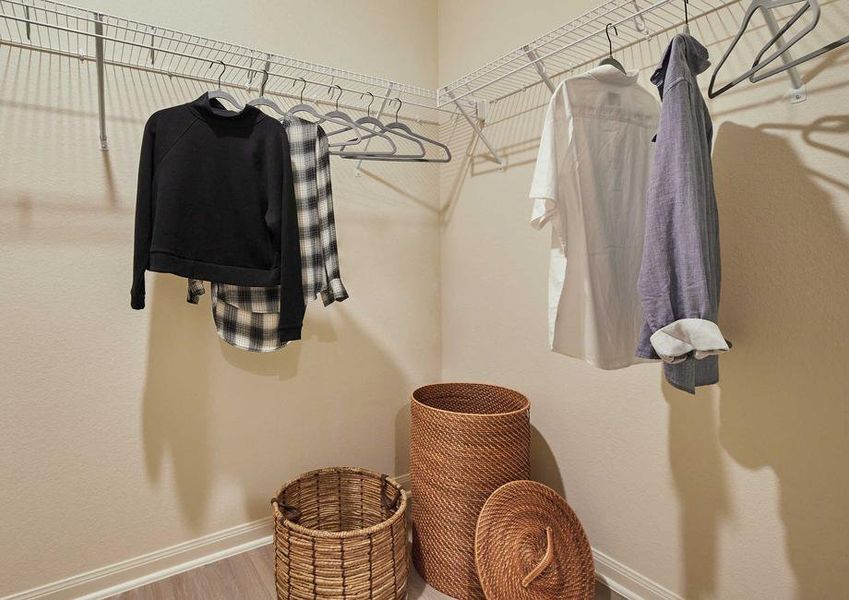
{"type": "Point", "coordinates": [361, 123]}
{"type": "Point", "coordinates": [760, 76]}
{"type": "Point", "coordinates": [262, 100]}
{"type": "Point", "coordinates": [397, 125]}
{"type": "Point", "coordinates": [610, 60]}
{"type": "Point", "coordinates": [320, 118]}
{"type": "Point", "coordinates": [757, 66]}
{"type": "Point", "coordinates": [383, 131]}
{"type": "Point", "coordinates": [220, 93]}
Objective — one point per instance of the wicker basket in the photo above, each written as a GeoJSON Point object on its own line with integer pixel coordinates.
{"type": "Point", "coordinates": [466, 440]}
{"type": "Point", "coordinates": [340, 534]}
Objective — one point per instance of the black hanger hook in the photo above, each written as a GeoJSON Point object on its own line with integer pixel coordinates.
{"type": "Point", "coordinates": [330, 91]}
{"type": "Point", "coordinates": [368, 108]}
{"type": "Point", "coordinates": [223, 68]}
{"type": "Point", "coordinates": [686, 15]}
{"type": "Point", "coordinates": [397, 110]}
{"type": "Point", "coordinates": [607, 33]}
{"type": "Point", "coordinates": [301, 100]}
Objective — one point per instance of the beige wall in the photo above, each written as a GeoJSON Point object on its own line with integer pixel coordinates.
{"type": "Point", "coordinates": [742, 491]}
{"type": "Point", "coordinates": [126, 432]}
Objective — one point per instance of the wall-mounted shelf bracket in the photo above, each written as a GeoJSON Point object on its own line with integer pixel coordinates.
{"type": "Point", "coordinates": [539, 66]}
{"type": "Point", "coordinates": [477, 123]}
{"type": "Point", "coordinates": [797, 93]}
{"type": "Point", "coordinates": [101, 91]}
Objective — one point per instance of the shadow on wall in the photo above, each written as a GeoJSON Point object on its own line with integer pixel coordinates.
{"type": "Point", "coordinates": [783, 396]}
{"type": "Point", "coordinates": [544, 467]}
{"type": "Point", "coordinates": [784, 391]}
{"type": "Point", "coordinates": [253, 419]}
{"type": "Point", "coordinates": [695, 458]}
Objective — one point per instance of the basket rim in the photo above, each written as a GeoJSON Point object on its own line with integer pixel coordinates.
{"type": "Point", "coordinates": [527, 402]}
{"type": "Point", "coordinates": [340, 535]}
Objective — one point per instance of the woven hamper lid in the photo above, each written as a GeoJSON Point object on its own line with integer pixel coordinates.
{"type": "Point", "coordinates": [529, 545]}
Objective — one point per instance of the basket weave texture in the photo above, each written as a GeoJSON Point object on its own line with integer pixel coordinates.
{"type": "Point", "coordinates": [340, 534]}
{"type": "Point", "coordinates": [531, 546]}
{"type": "Point", "coordinates": [466, 440]}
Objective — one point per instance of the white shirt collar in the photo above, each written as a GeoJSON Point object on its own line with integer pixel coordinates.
{"type": "Point", "coordinates": [610, 74]}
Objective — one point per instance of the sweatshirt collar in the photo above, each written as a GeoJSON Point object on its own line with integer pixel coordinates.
{"type": "Point", "coordinates": [610, 74]}
{"type": "Point", "coordinates": [683, 53]}
{"type": "Point", "coordinates": [210, 109]}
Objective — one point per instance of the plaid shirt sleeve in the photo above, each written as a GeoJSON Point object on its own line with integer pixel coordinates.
{"type": "Point", "coordinates": [333, 290]}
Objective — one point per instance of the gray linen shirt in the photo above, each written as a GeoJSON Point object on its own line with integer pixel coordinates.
{"type": "Point", "coordinates": [680, 273]}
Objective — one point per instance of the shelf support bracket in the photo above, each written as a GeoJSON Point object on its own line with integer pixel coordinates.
{"type": "Point", "coordinates": [478, 131]}
{"type": "Point", "coordinates": [101, 92]}
{"type": "Point", "coordinates": [797, 93]}
{"type": "Point", "coordinates": [539, 66]}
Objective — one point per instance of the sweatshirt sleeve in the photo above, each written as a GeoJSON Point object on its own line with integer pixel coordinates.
{"type": "Point", "coordinates": [334, 290]}
{"type": "Point", "coordinates": [292, 306]}
{"type": "Point", "coordinates": [144, 217]}
{"type": "Point", "coordinates": [676, 275]}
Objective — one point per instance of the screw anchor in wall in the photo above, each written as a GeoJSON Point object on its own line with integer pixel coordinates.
{"type": "Point", "coordinates": [797, 95]}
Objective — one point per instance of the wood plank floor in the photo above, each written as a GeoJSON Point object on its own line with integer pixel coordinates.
{"type": "Point", "coordinates": [250, 576]}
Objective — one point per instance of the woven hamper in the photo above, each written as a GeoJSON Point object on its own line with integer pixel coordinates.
{"type": "Point", "coordinates": [340, 534]}
{"type": "Point", "coordinates": [466, 440]}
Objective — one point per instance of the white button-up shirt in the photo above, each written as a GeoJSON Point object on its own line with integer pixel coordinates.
{"type": "Point", "coordinates": [590, 182]}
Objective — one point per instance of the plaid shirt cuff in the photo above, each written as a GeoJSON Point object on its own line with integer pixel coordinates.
{"type": "Point", "coordinates": [334, 292]}
{"type": "Point", "coordinates": [195, 291]}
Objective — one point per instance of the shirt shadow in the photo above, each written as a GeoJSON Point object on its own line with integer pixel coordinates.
{"type": "Point", "coordinates": [782, 401]}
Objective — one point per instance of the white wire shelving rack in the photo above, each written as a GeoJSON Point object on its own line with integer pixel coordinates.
{"type": "Point", "coordinates": [65, 30]}
{"type": "Point", "coordinates": [106, 40]}
{"type": "Point", "coordinates": [577, 45]}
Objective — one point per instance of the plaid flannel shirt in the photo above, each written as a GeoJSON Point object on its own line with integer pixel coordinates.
{"type": "Point", "coordinates": [247, 317]}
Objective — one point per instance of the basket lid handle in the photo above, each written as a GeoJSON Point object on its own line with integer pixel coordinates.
{"type": "Point", "coordinates": [543, 564]}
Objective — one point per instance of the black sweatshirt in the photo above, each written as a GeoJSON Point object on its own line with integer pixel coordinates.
{"type": "Point", "coordinates": [216, 202]}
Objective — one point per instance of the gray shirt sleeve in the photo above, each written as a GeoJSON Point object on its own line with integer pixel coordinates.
{"type": "Point", "coordinates": [679, 276]}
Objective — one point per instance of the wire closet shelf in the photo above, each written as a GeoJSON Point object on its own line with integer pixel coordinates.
{"type": "Point", "coordinates": [70, 31]}
{"type": "Point", "coordinates": [572, 46]}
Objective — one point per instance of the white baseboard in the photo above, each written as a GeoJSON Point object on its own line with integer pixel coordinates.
{"type": "Point", "coordinates": [627, 582]}
{"type": "Point", "coordinates": [125, 575]}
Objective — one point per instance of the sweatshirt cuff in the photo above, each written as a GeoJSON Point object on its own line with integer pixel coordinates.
{"type": "Point", "coordinates": [334, 292]}
{"type": "Point", "coordinates": [674, 342]}
{"type": "Point", "coordinates": [137, 300]}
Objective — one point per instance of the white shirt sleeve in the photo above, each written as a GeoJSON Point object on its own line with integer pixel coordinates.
{"type": "Point", "coordinates": [544, 185]}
